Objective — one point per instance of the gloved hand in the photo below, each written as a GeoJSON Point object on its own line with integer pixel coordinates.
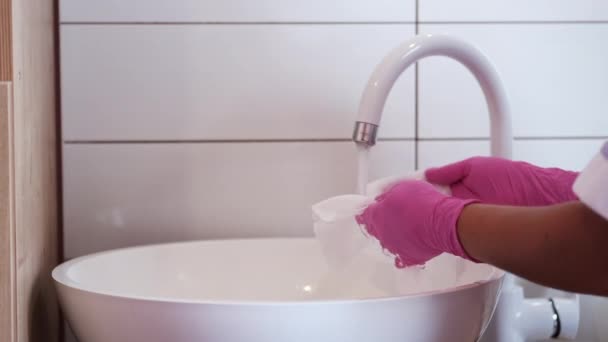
{"type": "Point", "coordinates": [415, 222]}
{"type": "Point", "coordinates": [501, 181]}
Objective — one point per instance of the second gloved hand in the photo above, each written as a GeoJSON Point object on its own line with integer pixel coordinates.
{"type": "Point", "coordinates": [415, 222]}
{"type": "Point", "coordinates": [501, 181]}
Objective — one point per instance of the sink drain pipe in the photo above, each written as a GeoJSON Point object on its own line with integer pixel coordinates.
{"type": "Point", "coordinates": [519, 319]}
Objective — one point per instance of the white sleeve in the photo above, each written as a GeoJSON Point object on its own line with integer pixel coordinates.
{"type": "Point", "coordinates": [591, 186]}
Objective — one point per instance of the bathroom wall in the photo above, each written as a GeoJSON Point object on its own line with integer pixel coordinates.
{"type": "Point", "coordinates": [218, 119]}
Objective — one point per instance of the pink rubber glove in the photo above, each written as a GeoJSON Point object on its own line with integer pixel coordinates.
{"type": "Point", "coordinates": [501, 181]}
{"type": "Point", "coordinates": [415, 222]}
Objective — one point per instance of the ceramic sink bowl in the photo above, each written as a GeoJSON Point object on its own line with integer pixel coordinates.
{"type": "Point", "coordinates": [268, 290]}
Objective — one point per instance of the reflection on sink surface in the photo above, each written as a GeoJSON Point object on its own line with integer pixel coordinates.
{"type": "Point", "coordinates": [269, 290]}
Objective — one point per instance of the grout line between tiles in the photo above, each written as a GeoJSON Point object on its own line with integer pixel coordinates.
{"type": "Point", "coordinates": [160, 23]}
{"type": "Point", "coordinates": [456, 139]}
{"type": "Point", "coordinates": [416, 22]}
{"type": "Point", "coordinates": [516, 22]}
{"type": "Point", "coordinates": [416, 140]}
{"type": "Point", "coordinates": [521, 138]}
{"type": "Point", "coordinates": [219, 141]}
{"type": "Point", "coordinates": [591, 137]}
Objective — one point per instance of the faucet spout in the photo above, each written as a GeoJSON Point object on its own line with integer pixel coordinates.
{"type": "Point", "coordinates": [397, 61]}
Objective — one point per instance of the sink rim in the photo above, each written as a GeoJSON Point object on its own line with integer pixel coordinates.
{"type": "Point", "coordinates": [61, 278]}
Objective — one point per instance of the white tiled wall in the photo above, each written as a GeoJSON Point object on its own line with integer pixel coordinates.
{"type": "Point", "coordinates": [198, 119]}
{"type": "Point", "coordinates": [512, 10]}
{"type": "Point", "coordinates": [566, 154]}
{"type": "Point", "coordinates": [176, 82]}
{"type": "Point", "coordinates": [556, 76]}
{"type": "Point", "coordinates": [125, 194]}
{"type": "Point", "coordinates": [273, 11]}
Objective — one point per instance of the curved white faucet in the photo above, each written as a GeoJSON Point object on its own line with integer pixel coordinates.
{"type": "Point", "coordinates": [393, 65]}
{"type": "Point", "coordinates": [516, 319]}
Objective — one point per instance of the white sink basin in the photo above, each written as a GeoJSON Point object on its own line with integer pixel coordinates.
{"type": "Point", "coordinates": [267, 290]}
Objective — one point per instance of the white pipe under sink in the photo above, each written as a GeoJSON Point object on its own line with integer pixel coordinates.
{"type": "Point", "coordinates": [516, 319]}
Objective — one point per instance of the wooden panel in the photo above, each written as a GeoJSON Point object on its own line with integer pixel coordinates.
{"type": "Point", "coordinates": [6, 60]}
{"type": "Point", "coordinates": [512, 10]}
{"type": "Point", "coordinates": [118, 195]}
{"type": "Point", "coordinates": [226, 82]}
{"type": "Point", "coordinates": [7, 232]}
{"type": "Point", "coordinates": [237, 10]}
{"type": "Point", "coordinates": [35, 169]}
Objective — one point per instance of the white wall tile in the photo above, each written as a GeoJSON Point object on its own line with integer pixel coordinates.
{"type": "Point", "coordinates": [236, 10]}
{"type": "Point", "coordinates": [119, 195]}
{"type": "Point", "coordinates": [225, 82]}
{"type": "Point", "coordinates": [438, 153]}
{"type": "Point", "coordinates": [594, 311]}
{"type": "Point", "coordinates": [566, 154]}
{"type": "Point", "coordinates": [512, 10]}
{"type": "Point", "coordinates": [556, 77]}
